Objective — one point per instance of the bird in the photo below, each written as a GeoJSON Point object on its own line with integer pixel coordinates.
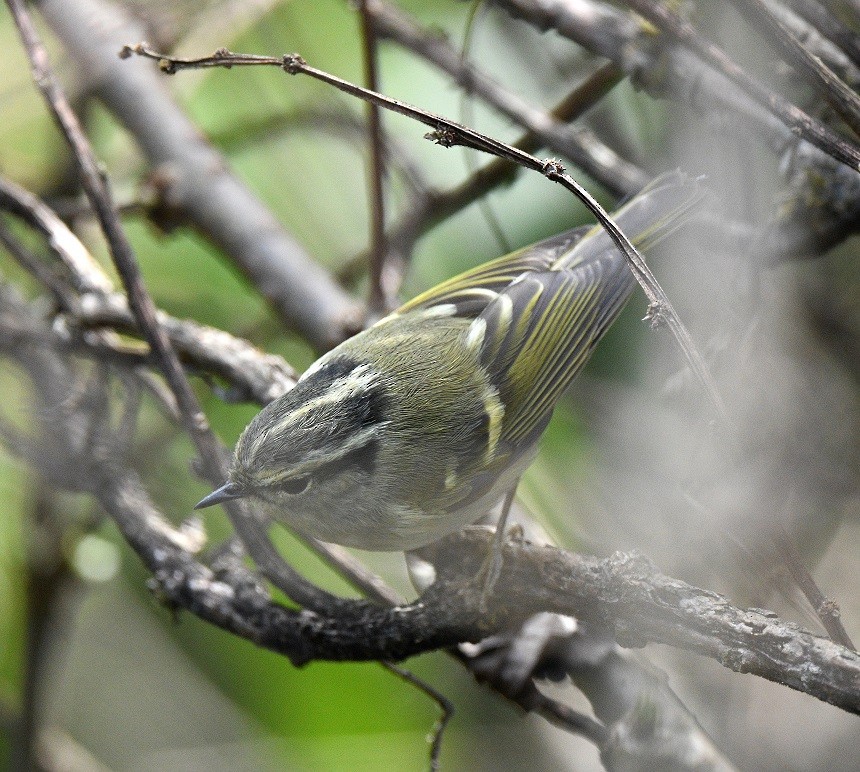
{"type": "Point", "coordinates": [422, 423]}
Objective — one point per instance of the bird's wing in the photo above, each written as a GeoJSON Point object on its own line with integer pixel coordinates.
{"type": "Point", "coordinates": [470, 292]}
{"type": "Point", "coordinates": [539, 332]}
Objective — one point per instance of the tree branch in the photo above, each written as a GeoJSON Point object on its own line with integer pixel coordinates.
{"type": "Point", "coordinates": [793, 117]}
{"type": "Point", "coordinates": [625, 593]}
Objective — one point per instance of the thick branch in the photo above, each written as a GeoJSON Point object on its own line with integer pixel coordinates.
{"type": "Point", "coordinates": [623, 591]}
{"type": "Point", "coordinates": [643, 606]}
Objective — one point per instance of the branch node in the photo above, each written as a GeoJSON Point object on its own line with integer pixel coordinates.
{"type": "Point", "coordinates": [442, 136]}
{"type": "Point", "coordinates": [293, 64]}
{"type": "Point", "coordinates": [552, 167]}
{"type": "Point", "coordinates": [656, 315]}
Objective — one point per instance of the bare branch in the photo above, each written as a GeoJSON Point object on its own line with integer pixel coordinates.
{"type": "Point", "coordinates": [627, 592]}
{"type": "Point", "coordinates": [792, 116]}
{"type": "Point", "coordinates": [89, 300]}
{"type": "Point", "coordinates": [87, 274]}
{"type": "Point", "coordinates": [446, 708]}
{"type": "Point", "coordinates": [378, 302]}
{"type": "Point", "coordinates": [193, 419]}
{"type": "Point", "coordinates": [434, 207]}
{"type": "Point", "coordinates": [829, 26]}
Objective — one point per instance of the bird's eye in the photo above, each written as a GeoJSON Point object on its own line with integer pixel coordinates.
{"type": "Point", "coordinates": [296, 485]}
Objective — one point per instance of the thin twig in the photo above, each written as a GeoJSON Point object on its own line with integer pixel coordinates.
{"type": "Point", "coordinates": [193, 419]}
{"type": "Point", "coordinates": [435, 207]}
{"type": "Point", "coordinates": [30, 263]}
{"type": "Point", "coordinates": [449, 133]}
{"type": "Point", "coordinates": [829, 26]}
{"type": "Point", "coordinates": [377, 302]}
{"type": "Point", "coordinates": [810, 67]}
{"type": "Point", "coordinates": [575, 143]}
{"type": "Point", "coordinates": [825, 609]}
{"type": "Point", "coordinates": [95, 186]}
{"type": "Point", "coordinates": [445, 706]}
{"type": "Point", "coordinates": [563, 716]}
{"type": "Point", "coordinates": [89, 300]}
{"type": "Point", "coordinates": [194, 182]}
{"type": "Point", "coordinates": [85, 271]}
{"type": "Point", "coordinates": [355, 572]}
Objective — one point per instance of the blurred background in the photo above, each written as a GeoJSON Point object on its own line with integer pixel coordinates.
{"type": "Point", "coordinates": [767, 279]}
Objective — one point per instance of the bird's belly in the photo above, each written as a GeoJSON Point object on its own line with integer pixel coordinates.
{"type": "Point", "coordinates": [410, 528]}
{"type": "Point", "coordinates": [364, 523]}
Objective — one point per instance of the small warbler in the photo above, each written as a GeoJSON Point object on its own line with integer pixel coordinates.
{"type": "Point", "coordinates": [420, 424]}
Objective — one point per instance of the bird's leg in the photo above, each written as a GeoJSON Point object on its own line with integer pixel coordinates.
{"type": "Point", "coordinates": [492, 566]}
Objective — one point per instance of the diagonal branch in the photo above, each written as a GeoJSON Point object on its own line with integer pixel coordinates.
{"type": "Point", "coordinates": [577, 144]}
{"type": "Point", "coordinates": [88, 300]}
{"type": "Point", "coordinates": [609, 32]}
{"type": "Point", "coordinates": [828, 25]}
{"type": "Point", "coordinates": [193, 419]}
{"type": "Point", "coordinates": [434, 207]}
{"type": "Point", "coordinates": [625, 591]}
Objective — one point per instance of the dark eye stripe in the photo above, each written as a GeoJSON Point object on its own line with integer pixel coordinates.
{"type": "Point", "coordinates": [363, 459]}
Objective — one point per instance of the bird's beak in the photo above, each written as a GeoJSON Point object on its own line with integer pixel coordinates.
{"type": "Point", "coordinates": [226, 492]}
